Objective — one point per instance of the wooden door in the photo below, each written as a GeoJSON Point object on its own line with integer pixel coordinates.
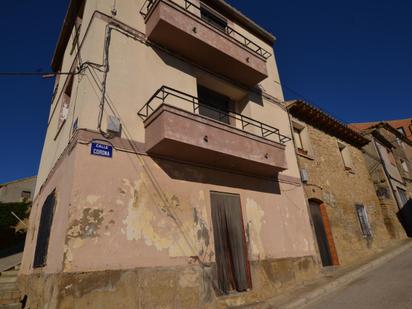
{"type": "Point", "coordinates": [321, 235]}
{"type": "Point", "coordinates": [230, 244]}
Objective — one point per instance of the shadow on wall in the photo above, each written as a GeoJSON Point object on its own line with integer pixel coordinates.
{"type": "Point", "coordinates": [205, 79]}
{"type": "Point", "coordinates": [405, 217]}
{"type": "Point", "coordinates": [186, 172]}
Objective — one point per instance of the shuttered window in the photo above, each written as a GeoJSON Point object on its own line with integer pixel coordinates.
{"type": "Point", "coordinates": [43, 236]}
{"type": "Point", "coordinates": [230, 243]}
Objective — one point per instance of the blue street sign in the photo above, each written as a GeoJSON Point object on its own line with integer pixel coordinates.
{"type": "Point", "coordinates": [101, 150]}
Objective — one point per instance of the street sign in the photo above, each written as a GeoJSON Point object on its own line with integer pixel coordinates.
{"type": "Point", "coordinates": [101, 150]}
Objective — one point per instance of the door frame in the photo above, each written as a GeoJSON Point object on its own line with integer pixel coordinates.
{"type": "Point", "coordinates": [328, 230]}
{"type": "Point", "coordinates": [245, 244]}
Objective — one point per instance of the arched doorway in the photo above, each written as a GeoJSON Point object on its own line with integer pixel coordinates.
{"type": "Point", "coordinates": [323, 233]}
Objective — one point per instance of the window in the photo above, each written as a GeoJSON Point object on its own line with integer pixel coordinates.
{"type": "Point", "coordinates": [345, 155]}
{"type": "Point", "coordinates": [77, 26]}
{"type": "Point", "coordinates": [213, 18]}
{"type": "Point", "coordinates": [301, 138]}
{"type": "Point", "coordinates": [363, 220]}
{"type": "Point", "coordinates": [403, 198]}
{"type": "Point", "coordinates": [404, 165]}
{"type": "Point", "coordinates": [213, 105]}
{"type": "Point", "coordinates": [43, 236]}
{"type": "Point", "coordinates": [64, 109]}
{"type": "Point", "coordinates": [298, 138]}
{"type": "Point", "coordinates": [25, 196]}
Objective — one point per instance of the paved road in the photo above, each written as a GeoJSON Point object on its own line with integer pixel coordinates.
{"type": "Point", "coordinates": [388, 287]}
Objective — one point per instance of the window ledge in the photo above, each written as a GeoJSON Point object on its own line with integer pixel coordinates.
{"type": "Point", "coordinates": [307, 156]}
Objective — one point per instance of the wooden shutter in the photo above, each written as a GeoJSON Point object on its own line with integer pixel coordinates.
{"type": "Point", "coordinates": [43, 236]}
{"type": "Point", "coordinates": [230, 243]}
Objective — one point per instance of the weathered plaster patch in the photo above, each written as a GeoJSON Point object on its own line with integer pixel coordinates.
{"type": "Point", "coordinates": [146, 221]}
{"type": "Point", "coordinates": [88, 225]}
{"type": "Point", "coordinates": [255, 217]}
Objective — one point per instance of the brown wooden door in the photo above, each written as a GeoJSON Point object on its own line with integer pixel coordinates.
{"type": "Point", "coordinates": [230, 244]}
{"type": "Point", "coordinates": [321, 236]}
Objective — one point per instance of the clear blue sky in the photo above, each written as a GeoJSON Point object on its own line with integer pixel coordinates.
{"type": "Point", "coordinates": [352, 58]}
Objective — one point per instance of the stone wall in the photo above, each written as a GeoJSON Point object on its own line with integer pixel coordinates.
{"type": "Point", "coordinates": [340, 190]}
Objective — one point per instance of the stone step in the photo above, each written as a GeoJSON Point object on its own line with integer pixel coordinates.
{"type": "Point", "coordinates": [8, 287]}
{"type": "Point", "coordinates": [9, 295]}
{"type": "Point", "coordinates": [10, 273]}
{"type": "Point", "coordinates": [7, 279]}
{"type": "Point", "coordinates": [4, 301]}
{"type": "Point", "coordinates": [11, 306]}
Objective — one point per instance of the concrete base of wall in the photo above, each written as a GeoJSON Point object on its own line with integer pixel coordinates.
{"type": "Point", "coordinates": [173, 287]}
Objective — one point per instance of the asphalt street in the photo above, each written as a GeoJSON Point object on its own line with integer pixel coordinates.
{"type": "Point", "coordinates": [389, 286]}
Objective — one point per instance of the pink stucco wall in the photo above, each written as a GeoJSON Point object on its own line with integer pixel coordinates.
{"type": "Point", "coordinates": [135, 211]}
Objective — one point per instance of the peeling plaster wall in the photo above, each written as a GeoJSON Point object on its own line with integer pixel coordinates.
{"type": "Point", "coordinates": [127, 212]}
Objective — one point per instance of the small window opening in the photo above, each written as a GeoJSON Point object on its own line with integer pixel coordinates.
{"type": "Point", "coordinates": [345, 155]}
{"type": "Point", "coordinates": [67, 94]}
{"type": "Point", "coordinates": [25, 196]}
{"type": "Point", "coordinates": [363, 220]}
{"type": "Point", "coordinates": [213, 105]}
{"type": "Point", "coordinates": [213, 19]}
{"type": "Point", "coordinates": [77, 26]}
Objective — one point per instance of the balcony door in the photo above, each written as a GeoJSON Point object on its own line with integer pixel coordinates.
{"type": "Point", "coordinates": [213, 105]}
{"type": "Point", "coordinates": [230, 244]}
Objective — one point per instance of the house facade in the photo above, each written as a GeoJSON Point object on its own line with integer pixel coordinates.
{"type": "Point", "coordinates": [168, 176]}
{"type": "Point", "coordinates": [403, 126]}
{"type": "Point", "coordinates": [20, 190]}
{"type": "Point", "coordinates": [390, 158]}
{"type": "Point", "coordinates": [346, 214]}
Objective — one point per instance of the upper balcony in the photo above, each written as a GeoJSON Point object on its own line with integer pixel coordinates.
{"type": "Point", "coordinates": [179, 126]}
{"type": "Point", "coordinates": [205, 38]}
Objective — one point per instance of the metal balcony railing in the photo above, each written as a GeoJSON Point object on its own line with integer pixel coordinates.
{"type": "Point", "coordinates": [149, 5]}
{"type": "Point", "coordinates": [165, 95]}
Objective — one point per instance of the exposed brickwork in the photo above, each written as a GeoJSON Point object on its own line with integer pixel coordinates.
{"type": "Point", "coordinates": [340, 190]}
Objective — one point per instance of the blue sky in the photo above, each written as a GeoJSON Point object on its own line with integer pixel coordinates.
{"type": "Point", "coordinates": [351, 58]}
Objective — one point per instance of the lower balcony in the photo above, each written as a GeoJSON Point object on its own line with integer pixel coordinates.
{"type": "Point", "coordinates": [174, 128]}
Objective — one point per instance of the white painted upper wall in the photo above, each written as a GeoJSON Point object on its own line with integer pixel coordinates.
{"type": "Point", "coordinates": [136, 71]}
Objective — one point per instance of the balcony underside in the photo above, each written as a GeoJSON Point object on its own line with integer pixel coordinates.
{"type": "Point", "coordinates": [180, 135]}
{"type": "Point", "coordinates": [180, 31]}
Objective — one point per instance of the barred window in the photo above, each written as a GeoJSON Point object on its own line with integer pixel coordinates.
{"type": "Point", "coordinates": [363, 220]}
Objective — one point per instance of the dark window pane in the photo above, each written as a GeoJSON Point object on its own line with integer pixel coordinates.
{"type": "Point", "coordinates": [213, 19]}
{"type": "Point", "coordinates": [213, 105]}
{"type": "Point", "coordinates": [43, 236]}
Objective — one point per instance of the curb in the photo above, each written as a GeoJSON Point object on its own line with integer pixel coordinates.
{"type": "Point", "coordinates": [345, 279]}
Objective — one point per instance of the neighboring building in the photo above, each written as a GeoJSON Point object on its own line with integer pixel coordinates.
{"type": "Point", "coordinates": [168, 176]}
{"type": "Point", "coordinates": [346, 215]}
{"type": "Point", "coordinates": [404, 126]}
{"type": "Point", "coordinates": [21, 190]}
{"type": "Point", "coordinates": [390, 161]}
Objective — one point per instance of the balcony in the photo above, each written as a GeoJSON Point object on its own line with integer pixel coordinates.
{"type": "Point", "coordinates": [216, 47]}
{"type": "Point", "coordinates": [175, 129]}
